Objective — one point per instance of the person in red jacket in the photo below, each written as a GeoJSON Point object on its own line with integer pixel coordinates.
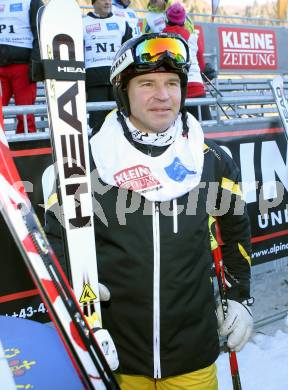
{"type": "Point", "coordinates": [175, 19]}
{"type": "Point", "coordinates": [18, 50]}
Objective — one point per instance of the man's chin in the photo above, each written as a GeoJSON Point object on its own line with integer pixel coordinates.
{"type": "Point", "coordinates": [161, 127]}
{"type": "Point", "coordinates": [162, 123]}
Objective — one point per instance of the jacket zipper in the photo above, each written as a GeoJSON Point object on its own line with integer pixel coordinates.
{"type": "Point", "coordinates": [175, 216]}
{"type": "Point", "coordinates": [156, 291]}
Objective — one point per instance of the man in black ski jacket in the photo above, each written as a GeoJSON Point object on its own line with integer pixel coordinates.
{"type": "Point", "coordinates": [103, 35]}
{"type": "Point", "coordinates": [156, 184]}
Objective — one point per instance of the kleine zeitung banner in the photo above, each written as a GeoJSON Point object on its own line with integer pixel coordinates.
{"type": "Point", "coordinates": [247, 48]}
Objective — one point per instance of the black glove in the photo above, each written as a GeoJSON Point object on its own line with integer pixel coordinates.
{"type": "Point", "coordinates": [209, 71]}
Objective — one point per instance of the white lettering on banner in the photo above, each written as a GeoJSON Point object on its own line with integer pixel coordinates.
{"type": "Point", "coordinates": [272, 167]}
{"type": "Point", "coordinates": [274, 218]}
{"type": "Point", "coordinates": [246, 40]}
{"type": "Point", "coordinates": [249, 60]}
{"type": "Point", "coordinates": [249, 185]}
{"type": "Point", "coordinates": [247, 48]}
{"type": "Point", "coordinates": [274, 171]}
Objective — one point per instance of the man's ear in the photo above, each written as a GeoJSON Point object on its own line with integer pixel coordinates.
{"type": "Point", "coordinates": [122, 100]}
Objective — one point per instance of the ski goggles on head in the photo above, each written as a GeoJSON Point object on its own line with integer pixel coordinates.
{"type": "Point", "coordinates": [153, 50]}
{"type": "Point", "coordinates": [149, 52]}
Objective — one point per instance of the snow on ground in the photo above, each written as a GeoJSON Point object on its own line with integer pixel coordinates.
{"type": "Point", "coordinates": [263, 364]}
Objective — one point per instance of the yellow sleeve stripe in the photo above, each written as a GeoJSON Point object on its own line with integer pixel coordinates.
{"type": "Point", "coordinates": [51, 200]}
{"type": "Point", "coordinates": [244, 253]}
{"type": "Point", "coordinates": [213, 241]}
{"type": "Point", "coordinates": [205, 147]}
{"type": "Point", "coordinates": [231, 186]}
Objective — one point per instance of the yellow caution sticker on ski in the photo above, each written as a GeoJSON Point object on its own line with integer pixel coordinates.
{"type": "Point", "coordinates": [87, 294]}
{"type": "Point", "coordinates": [94, 321]}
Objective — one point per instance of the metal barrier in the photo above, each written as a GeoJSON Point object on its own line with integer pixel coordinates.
{"type": "Point", "coordinates": [210, 17]}
{"type": "Point", "coordinates": [237, 107]}
{"type": "Point", "coordinates": [259, 86]}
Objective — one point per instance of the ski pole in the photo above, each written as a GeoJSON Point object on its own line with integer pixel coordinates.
{"type": "Point", "coordinates": [220, 275]}
{"type": "Point", "coordinates": [208, 82]}
{"type": "Point", "coordinates": [218, 104]}
{"type": "Point", "coordinates": [219, 269]}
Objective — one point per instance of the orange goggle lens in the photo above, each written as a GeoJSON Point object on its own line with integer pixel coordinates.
{"type": "Point", "coordinates": [150, 50]}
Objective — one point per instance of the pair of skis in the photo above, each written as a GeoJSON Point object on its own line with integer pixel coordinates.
{"type": "Point", "coordinates": [61, 45]}
{"type": "Point", "coordinates": [47, 274]}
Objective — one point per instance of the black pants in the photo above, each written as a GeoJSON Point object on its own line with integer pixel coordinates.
{"type": "Point", "coordinates": [205, 111]}
{"type": "Point", "coordinates": [101, 93]}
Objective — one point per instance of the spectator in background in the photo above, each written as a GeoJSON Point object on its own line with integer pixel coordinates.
{"type": "Point", "coordinates": [155, 20]}
{"type": "Point", "coordinates": [18, 48]}
{"type": "Point", "coordinates": [175, 19]}
{"type": "Point", "coordinates": [121, 8]}
{"type": "Point", "coordinates": [155, 17]}
{"type": "Point", "coordinates": [104, 33]}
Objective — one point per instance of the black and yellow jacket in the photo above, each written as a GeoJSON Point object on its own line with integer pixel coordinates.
{"type": "Point", "coordinates": [157, 267]}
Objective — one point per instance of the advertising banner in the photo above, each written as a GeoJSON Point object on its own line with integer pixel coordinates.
{"type": "Point", "coordinates": [249, 49]}
{"type": "Point", "coordinates": [261, 153]}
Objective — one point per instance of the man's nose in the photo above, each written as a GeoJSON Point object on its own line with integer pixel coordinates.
{"type": "Point", "coordinates": [161, 92]}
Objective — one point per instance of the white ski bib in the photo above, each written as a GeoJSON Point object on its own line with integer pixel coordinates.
{"type": "Point", "coordinates": [15, 25]}
{"type": "Point", "coordinates": [172, 174]}
{"type": "Point", "coordinates": [103, 38]}
{"type": "Point", "coordinates": [156, 21]}
{"type": "Point", "coordinates": [130, 16]}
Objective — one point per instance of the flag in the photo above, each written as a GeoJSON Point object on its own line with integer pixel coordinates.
{"type": "Point", "coordinates": [215, 5]}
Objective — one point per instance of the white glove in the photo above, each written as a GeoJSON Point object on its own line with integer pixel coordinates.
{"type": "Point", "coordinates": [104, 293]}
{"type": "Point", "coordinates": [102, 336]}
{"type": "Point", "coordinates": [107, 346]}
{"type": "Point", "coordinates": [237, 326]}
{"type": "Point", "coordinates": [93, 319]}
